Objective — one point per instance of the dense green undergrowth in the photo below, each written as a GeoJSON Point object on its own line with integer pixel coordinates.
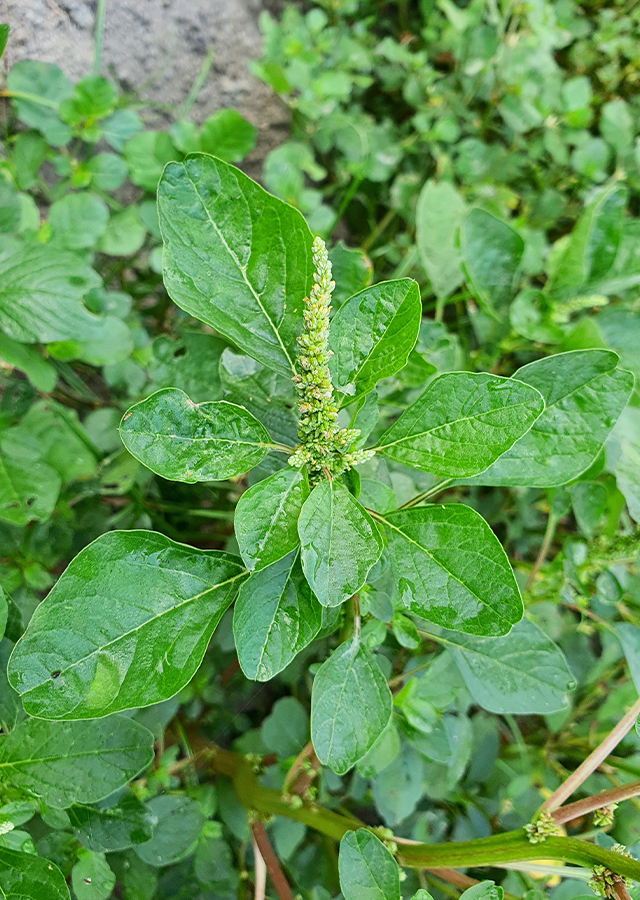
{"type": "Point", "coordinates": [361, 568]}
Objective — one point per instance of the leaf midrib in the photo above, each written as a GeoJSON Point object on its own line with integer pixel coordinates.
{"type": "Point", "coordinates": [139, 627]}
{"type": "Point", "coordinates": [451, 574]}
{"type": "Point", "coordinates": [241, 269]}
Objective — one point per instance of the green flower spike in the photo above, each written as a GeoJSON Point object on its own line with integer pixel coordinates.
{"type": "Point", "coordinates": [323, 447]}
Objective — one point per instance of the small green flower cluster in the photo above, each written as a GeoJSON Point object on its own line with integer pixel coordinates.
{"type": "Point", "coordinates": [603, 880]}
{"type": "Point", "coordinates": [544, 827]}
{"type": "Point", "coordinates": [323, 447]}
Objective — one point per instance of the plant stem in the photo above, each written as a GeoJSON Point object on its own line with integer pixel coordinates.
{"type": "Point", "coordinates": [196, 87]}
{"type": "Point", "coordinates": [346, 200]}
{"type": "Point", "coordinates": [430, 492]}
{"type": "Point", "coordinates": [591, 763]}
{"type": "Point", "coordinates": [260, 878]}
{"type": "Point", "coordinates": [552, 523]}
{"type": "Point", "coordinates": [276, 874]}
{"type": "Point", "coordinates": [596, 801]}
{"type": "Point", "coordinates": [98, 39]}
{"type": "Point", "coordinates": [512, 846]}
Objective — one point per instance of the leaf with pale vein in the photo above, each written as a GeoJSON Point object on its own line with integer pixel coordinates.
{"type": "Point", "coordinates": [126, 625]}
{"type": "Point", "coordinates": [63, 763]}
{"type": "Point", "coordinates": [462, 423]}
{"type": "Point", "coordinates": [266, 517]}
{"type": "Point", "coordinates": [584, 395]}
{"type": "Point", "coordinates": [275, 616]}
{"type": "Point", "coordinates": [340, 543]}
{"type": "Point", "coordinates": [367, 869]}
{"type": "Point", "coordinates": [235, 257]}
{"type": "Point", "coordinates": [186, 441]}
{"type": "Point", "coordinates": [451, 569]}
{"type": "Point", "coordinates": [350, 706]}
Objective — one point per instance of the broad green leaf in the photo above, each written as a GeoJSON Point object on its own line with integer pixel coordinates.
{"type": "Point", "coordinates": [484, 890]}
{"type": "Point", "coordinates": [397, 790]}
{"type": "Point", "coordinates": [41, 291]}
{"type": "Point", "coordinates": [285, 731]}
{"type": "Point", "coordinates": [275, 616]}
{"type": "Point", "coordinates": [381, 754]}
{"type": "Point", "coordinates": [78, 221]}
{"type": "Point", "coordinates": [439, 215]}
{"type": "Point", "coordinates": [373, 333]}
{"type": "Point", "coordinates": [186, 441]}
{"type": "Point", "coordinates": [124, 234]}
{"type": "Point", "coordinates": [491, 252]}
{"type": "Point", "coordinates": [48, 84]}
{"type": "Point", "coordinates": [179, 822]}
{"type": "Point", "coordinates": [521, 672]}
{"type": "Point", "coordinates": [452, 570]}
{"type": "Point", "coordinates": [350, 706]}
{"type": "Point", "coordinates": [235, 257]}
{"type": "Point", "coordinates": [111, 825]}
{"type": "Point", "coordinates": [623, 458]}
{"type": "Point", "coordinates": [10, 707]}
{"type": "Point", "coordinates": [584, 394]}
{"type": "Point", "coordinates": [592, 245]}
{"type": "Point", "coordinates": [191, 363]}
{"type": "Point", "coordinates": [352, 268]}
{"type": "Point", "coordinates": [340, 543]}
{"type": "Point", "coordinates": [69, 762]}
{"type": "Point", "coordinates": [462, 423]}
{"type": "Point", "coordinates": [620, 329]}
{"type": "Point", "coordinates": [367, 869]}
{"type": "Point", "coordinates": [228, 136]}
{"type": "Point", "coordinates": [266, 517]}
{"type": "Point", "coordinates": [28, 490]}
{"type": "Point", "coordinates": [91, 877]}
{"type": "Point", "coordinates": [87, 648]}
{"type": "Point", "coordinates": [24, 876]}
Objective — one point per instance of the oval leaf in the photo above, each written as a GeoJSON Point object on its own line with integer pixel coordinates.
{"type": "Point", "coordinates": [275, 616]}
{"type": "Point", "coordinates": [25, 876]}
{"type": "Point", "coordinates": [521, 672]}
{"type": "Point", "coordinates": [462, 423]}
{"type": "Point", "coordinates": [87, 648]}
{"type": "Point", "coordinates": [63, 763]}
{"type": "Point", "coordinates": [584, 394]}
{"type": "Point", "coordinates": [367, 869]}
{"type": "Point", "coordinates": [111, 826]}
{"type": "Point", "coordinates": [186, 441]}
{"type": "Point", "coordinates": [266, 517]}
{"type": "Point", "coordinates": [452, 570]}
{"type": "Point", "coordinates": [340, 543]}
{"type": "Point", "coordinates": [350, 706]}
{"type": "Point", "coordinates": [439, 214]}
{"type": "Point", "coordinates": [491, 253]}
{"type": "Point", "coordinates": [235, 257]}
{"type": "Point", "coordinates": [373, 333]}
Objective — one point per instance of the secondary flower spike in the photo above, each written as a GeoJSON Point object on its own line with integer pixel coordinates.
{"type": "Point", "coordinates": [323, 447]}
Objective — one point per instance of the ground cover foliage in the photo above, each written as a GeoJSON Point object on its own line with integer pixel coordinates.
{"type": "Point", "coordinates": [336, 580]}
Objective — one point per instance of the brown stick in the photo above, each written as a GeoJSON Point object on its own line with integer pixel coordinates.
{"type": "Point", "coordinates": [589, 804]}
{"type": "Point", "coordinates": [271, 861]}
{"type": "Point", "coordinates": [594, 759]}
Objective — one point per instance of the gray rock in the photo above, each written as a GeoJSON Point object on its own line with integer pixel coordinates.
{"type": "Point", "coordinates": [157, 47]}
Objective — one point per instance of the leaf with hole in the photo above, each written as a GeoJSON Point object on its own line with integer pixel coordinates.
{"type": "Point", "coordinates": [86, 650]}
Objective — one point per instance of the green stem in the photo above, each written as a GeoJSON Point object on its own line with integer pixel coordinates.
{"type": "Point", "coordinates": [552, 523]}
{"type": "Point", "coordinates": [512, 846]}
{"type": "Point", "coordinates": [346, 200]}
{"type": "Point", "coordinates": [98, 40]}
{"type": "Point", "coordinates": [196, 87]}
{"type": "Point", "coordinates": [25, 95]}
{"type": "Point", "coordinates": [434, 489]}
